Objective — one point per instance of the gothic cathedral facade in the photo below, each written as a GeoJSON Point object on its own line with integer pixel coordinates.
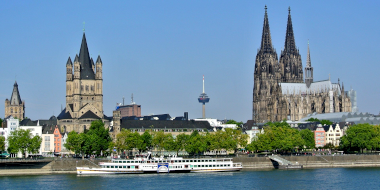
{"type": "Point", "coordinates": [84, 92]}
{"type": "Point", "coordinates": [279, 90]}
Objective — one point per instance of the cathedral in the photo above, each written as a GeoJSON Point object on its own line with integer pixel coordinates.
{"type": "Point", "coordinates": [84, 92]}
{"type": "Point", "coordinates": [15, 107]}
{"type": "Point", "coordinates": [279, 90]}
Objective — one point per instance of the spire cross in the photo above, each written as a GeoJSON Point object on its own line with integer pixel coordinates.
{"type": "Point", "coordinates": [83, 26]}
{"type": "Point", "coordinates": [265, 8]}
{"type": "Point", "coordinates": [289, 9]}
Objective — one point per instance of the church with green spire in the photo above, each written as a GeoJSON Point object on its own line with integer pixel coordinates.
{"type": "Point", "coordinates": [84, 92]}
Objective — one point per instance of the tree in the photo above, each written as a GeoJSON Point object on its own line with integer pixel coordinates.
{"type": "Point", "coordinates": [308, 137]}
{"type": "Point", "coordinates": [75, 143]}
{"type": "Point", "coordinates": [2, 143]}
{"type": "Point", "coordinates": [147, 141]}
{"type": "Point", "coordinates": [35, 144]}
{"type": "Point", "coordinates": [323, 121]}
{"type": "Point", "coordinates": [121, 138]}
{"type": "Point", "coordinates": [160, 140]}
{"type": "Point", "coordinates": [196, 144]}
{"type": "Point", "coordinates": [216, 140]}
{"type": "Point", "coordinates": [238, 124]}
{"type": "Point", "coordinates": [180, 142]}
{"type": "Point", "coordinates": [22, 141]}
{"type": "Point", "coordinates": [360, 137]}
{"type": "Point", "coordinates": [277, 136]}
{"type": "Point", "coordinates": [95, 140]}
{"type": "Point", "coordinates": [98, 137]}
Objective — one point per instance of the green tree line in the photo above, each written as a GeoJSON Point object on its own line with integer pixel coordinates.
{"type": "Point", "coordinates": [283, 138]}
{"type": "Point", "coordinates": [22, 141]}
{"type": "Point", "coordinates": [194, 143]}
{"type": "Point", "coordinates": [96, 140]}
{"type": "Point", "coordinates": [360, 137]}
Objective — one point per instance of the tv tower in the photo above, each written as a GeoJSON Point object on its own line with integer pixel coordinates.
{"type": "Point", "coordinates": [203, 98]}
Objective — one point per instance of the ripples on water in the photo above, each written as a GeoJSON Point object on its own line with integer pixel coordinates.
{"type": "Point", "coordinates": [329, 178]}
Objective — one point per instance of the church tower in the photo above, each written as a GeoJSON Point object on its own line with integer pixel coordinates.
{"type": "Point", "coordinates": [15, 107]}
{"type": "Point", "coordinates": [266, 76]}
{"type": "Point", "coordinates": [308, 69]}
{"type": "Point", "coordinates": [84, 91]}
{"type": "Point", "coordinates": [290, 59]}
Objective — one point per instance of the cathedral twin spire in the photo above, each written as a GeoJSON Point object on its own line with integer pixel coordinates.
{"type": "Point", "coordinates": [266, 40]}
{"type": "Point", "coordinates": [290, 44]}
{"type": "Point", "coordinates": [289, 68]}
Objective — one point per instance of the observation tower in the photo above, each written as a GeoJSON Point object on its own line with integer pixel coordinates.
{"type": "Point", "coordinates": [203, 98]}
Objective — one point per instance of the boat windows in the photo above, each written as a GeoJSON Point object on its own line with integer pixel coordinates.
{"type": "Point", "coordinates": [128, 161]}
{"type": "Point", "coordinates": [191, 160]}
{"type": "Point", "coordinates": [128, 167]}
{"type": "Point", "coordinates": [123, 161]}
{"type": "Point", "coordinates": [203, 165]}
{"type": "Point", "coordinates": [124, 166]}
{"type": "Point", "coordinates": [119, 166]}
{"type": "Point", "coordinates": [175, 160]}
{"type": "Point", "coordinates": [217, 165]}
{"type": "Point", "coordinates": [112, 166]}
{"type": "Point", "coordinates": [120, 162]}
{"type": "Point", "coordinates": [108, 166]}
{"type": "Point", "coordinates": [213, 165]}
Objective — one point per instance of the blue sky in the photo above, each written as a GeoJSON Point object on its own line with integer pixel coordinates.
{"type": "Point", "coordinates": [159, 50]}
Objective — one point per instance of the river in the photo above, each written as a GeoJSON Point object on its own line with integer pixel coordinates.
{"type": "Point", "coordinates": [326, 178]}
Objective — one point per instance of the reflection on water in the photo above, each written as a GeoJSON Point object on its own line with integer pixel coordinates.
{"type": "Point", "coordinates": [329, 178]}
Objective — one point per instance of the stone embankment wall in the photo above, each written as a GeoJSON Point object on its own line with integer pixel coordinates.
{"type": "Point", "coordinates": [71, 164]}
{"type": "Point", "coordinates": [314, 161]}
{"type": "Point", "coordinates": [258, 163]}
{"type": "Point", "coordinates": [48, 167]}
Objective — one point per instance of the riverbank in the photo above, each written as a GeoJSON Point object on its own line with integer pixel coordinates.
{"type": "Point", "coordinates": [330, 161]}
{"type": "Point", "coordinates": [68, 166]}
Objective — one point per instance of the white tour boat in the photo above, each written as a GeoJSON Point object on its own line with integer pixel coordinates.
{"type": "Point", "coordinates": [147, 164]}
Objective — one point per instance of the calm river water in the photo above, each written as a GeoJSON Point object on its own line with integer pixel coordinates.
{"type": "Point", "coordinates": [329, 178]}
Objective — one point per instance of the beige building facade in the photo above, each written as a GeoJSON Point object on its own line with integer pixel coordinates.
{"type": "Point", "coordinates": [84, 92]}
{"type": "Point", "coordinates": [15, 107]}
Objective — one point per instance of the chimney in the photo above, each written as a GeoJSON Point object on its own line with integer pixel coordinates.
{"type": "Point", "coordinates": [186, 116]}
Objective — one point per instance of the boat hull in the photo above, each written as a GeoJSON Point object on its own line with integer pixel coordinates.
{"type": "Point", "coordinates": [95, 171]}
